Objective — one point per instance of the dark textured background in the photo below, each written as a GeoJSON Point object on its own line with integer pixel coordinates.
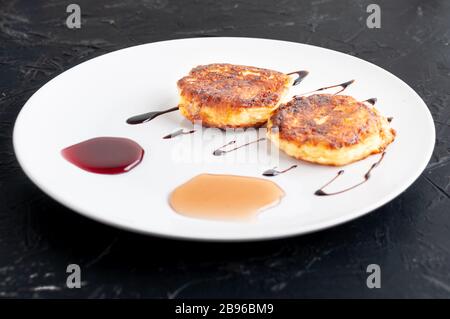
{"type": "Point", "coordinates": [409, 237]}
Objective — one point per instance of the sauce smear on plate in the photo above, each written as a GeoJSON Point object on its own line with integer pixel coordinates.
{"type": "Point", "coordinates": [105, 155]}
{"type": "Point", "coordinates": [224, 197]}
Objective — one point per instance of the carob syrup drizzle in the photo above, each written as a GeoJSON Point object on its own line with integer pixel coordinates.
{"type": "Point", "coordinates": [177, 133]}
{"type": "Point", "coordinates": [373, 101]}
{"type": "Point", "coordinates": [300, 76]}
{"type": "Point", "coordinates": [145, 117]}
{"type": "Point", "coordinates": [321, 192]}
{"type": "Point", "coordinates": [343, 86]}
{"type": "Point", "coordinates": [275, 172]}
{"type": "Point", "coordinates": [220, 151]}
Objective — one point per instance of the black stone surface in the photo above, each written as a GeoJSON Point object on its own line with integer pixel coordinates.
{"type": "Point", "coordinates": [408, 237]}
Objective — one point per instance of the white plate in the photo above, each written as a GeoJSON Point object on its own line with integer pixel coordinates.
{"type": "Point", "coordinates": [96, 97]}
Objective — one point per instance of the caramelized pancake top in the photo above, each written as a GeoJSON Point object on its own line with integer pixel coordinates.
{"type": "Point", "coordinates": [331, 121]}
{"type": "Point", "coordinates": [234, 86]}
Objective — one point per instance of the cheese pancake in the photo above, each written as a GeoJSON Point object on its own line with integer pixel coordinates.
{"type": "Point", "coordinates": [329, 129]}
{"type": "Point", "coordinates": [231, 96]}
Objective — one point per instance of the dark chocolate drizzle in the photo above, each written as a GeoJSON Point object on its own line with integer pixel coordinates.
{"type": "Point", "coordinates": [145, 117]}
{"type": "Point", "coordinates": [371, 100]}
{"type": "Point", "coordinates": [178, 133]}
{"type": "Point", "coordinates": [321, 192]}
{"type": "Point", "coordinates": [300, 76]}
{"type": "Point", "coordinates": [343, 86]}
{"type": "Point", "coordinates": [275, 172]}
{"type": "Point", "coordinates": [220, 151]}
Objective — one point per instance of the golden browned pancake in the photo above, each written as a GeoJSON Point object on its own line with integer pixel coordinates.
{"type": "Point", "coordinates": [231, 96]}
{"type": "Point", "coordinates": [329, 129]}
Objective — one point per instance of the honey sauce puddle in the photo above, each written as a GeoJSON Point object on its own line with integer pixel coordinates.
{"type": "Point", "coordinates": [225, 197]}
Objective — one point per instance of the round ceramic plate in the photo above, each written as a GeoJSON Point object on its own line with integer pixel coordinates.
{"type": "Point", "coordinates": [96, 97]}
